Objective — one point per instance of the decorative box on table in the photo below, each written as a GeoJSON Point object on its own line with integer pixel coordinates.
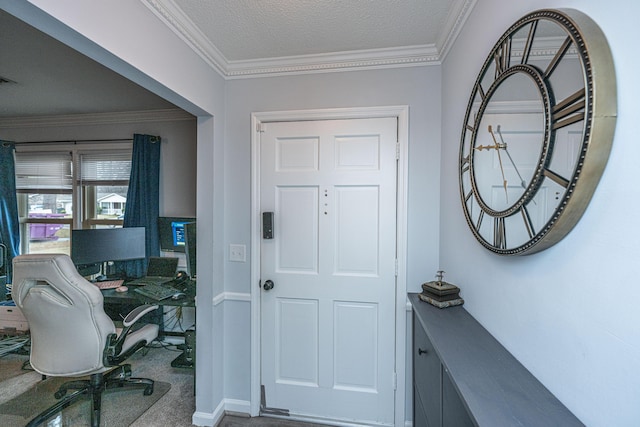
{"type": "Point", "coordinates": [440, 293]}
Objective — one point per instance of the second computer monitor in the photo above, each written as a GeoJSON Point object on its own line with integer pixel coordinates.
{"type": "Point", "coordinates": [171, 233]}
{"type": "Point", "coordinates": [190, 248]}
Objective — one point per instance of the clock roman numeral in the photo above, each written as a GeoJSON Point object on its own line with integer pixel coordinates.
{"type": "Point", "coordinates": [527, 222]}
{"type": "Point", "coordinates": [479, 221]}
{"type": "Point", "coordinates": [529, 44]}
{"type": "Point", "coordinates": [481, 92]}
{"type": "Point", "coordinates": [558, 57]}
{"type": "Point", "coordinates": [468, 196]}
{"type": "Point", "coordinates": [502, 57]}
{"type": "Point", "coordinates": [556, 178]}
{"type": "Point", "coordinates": [499, 233]}
{"type": "Point", "coordinates": [465, 164]}
{"type": "Point", "coordinates": [569, 111]}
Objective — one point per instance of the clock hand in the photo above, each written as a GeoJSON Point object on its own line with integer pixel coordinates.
{"type": "Point", "coordinates": [486, 147]}
{"type": "Point", "coordinates": [504, 180]}
{"type": "Point", "coordinates": [504, 145]}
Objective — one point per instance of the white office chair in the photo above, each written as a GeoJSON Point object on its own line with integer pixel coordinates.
{"type": "Point", "coordinates": [71, 336]}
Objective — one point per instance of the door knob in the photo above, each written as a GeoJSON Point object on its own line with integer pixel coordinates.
{"type": "Point", "coordinates": [268, 285]}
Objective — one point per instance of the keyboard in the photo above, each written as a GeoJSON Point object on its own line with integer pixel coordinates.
{"type": "Point", "coordinates": [156, 292]}
{"type": "Point", "coordinates": [150, 280]}
{"type": "Point", "coordinates": [109, 284]}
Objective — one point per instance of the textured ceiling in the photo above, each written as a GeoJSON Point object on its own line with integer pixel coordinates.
{"type": "Point", "coordinates": [252, 29]}
{"type": "Point", "coordinates": [243, 38]}
{"type": "Point", "coordinates": [239, 38]}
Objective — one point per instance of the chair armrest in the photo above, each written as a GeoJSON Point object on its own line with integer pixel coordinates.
{"type": "Point", "coordinates": [135, 314]}
{"type": "Point", "coordinates": [111, 354]}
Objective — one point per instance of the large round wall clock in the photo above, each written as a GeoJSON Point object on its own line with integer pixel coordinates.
{"type": "Point", "coordinates": [537, 131]}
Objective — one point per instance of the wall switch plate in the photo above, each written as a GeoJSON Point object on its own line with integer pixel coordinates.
{"type": "Point", "coordinates": [237, 253]}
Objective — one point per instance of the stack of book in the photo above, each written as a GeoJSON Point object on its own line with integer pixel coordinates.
{"type": "Point", "coordinates": [440, 293]}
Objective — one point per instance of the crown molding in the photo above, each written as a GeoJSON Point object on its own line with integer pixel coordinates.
{"type": "Point", "coordinates": [341, 61]}
{"type": "Point", "coordinates": [410, 56]}
{"type": "Point", "coordinates": [458, 15]}
{"type": "Point", "coordinates": [181, 25]}
{"type": "Point", "coordinates": [167, 115]}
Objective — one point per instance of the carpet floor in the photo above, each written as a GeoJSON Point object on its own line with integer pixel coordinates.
{"type": "Point", "coordinates": [174, 408]}
{"type": "Point", "coordinates": [120, 407]}
{"type": "Point", "coordinates": [173, 398]}
{"type": "Point", "coordinates": [11, 366]}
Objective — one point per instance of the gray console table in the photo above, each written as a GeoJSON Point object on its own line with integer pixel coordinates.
{"type": "Point", "coordinates": [462, 376]}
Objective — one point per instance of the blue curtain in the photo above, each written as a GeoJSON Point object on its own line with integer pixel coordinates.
{"type": "Point", "coordinates": [143, 198]}
{"type": "Point", "coordinates": [9, 223]}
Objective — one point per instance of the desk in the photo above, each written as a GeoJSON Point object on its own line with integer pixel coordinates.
{"type": "Point", "coordinates": [118, 304]}
{"type": "Point", "coordinates": [132, 297]}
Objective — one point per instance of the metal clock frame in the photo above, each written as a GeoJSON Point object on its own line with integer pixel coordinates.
{"type": "Point", "coordinates": [597, 134]}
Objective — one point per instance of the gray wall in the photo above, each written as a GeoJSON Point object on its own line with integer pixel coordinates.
{"type": "Point", "coordinates": [417, 87]}
{"type": "Point", "coordinates": [157, 61]}
{"type": "Point", "coordinates": [569, 313]}
{"type": "Point", "coordinates": [178, 149]}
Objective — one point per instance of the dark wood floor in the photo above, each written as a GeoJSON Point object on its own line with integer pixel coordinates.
{"type": "Point", "coordinates": [236, 421]}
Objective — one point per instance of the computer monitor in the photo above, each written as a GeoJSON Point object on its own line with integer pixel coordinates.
{"type": "Point", "coordinates": [190, 248]}
{"type": "Point", "coordinates": [90, 248]}
{"type": "Point", "coordinates": [171, 233]}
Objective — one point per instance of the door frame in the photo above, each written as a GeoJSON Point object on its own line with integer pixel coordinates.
{"type": "Point", "coordinates": [402, 114]}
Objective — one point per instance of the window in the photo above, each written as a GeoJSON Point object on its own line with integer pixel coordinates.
{"type": "Point", "coordinates": [103, 179]}
{"type": "Point", "coordinates": [61, 190]}
{"type": "Point", "coordinates": [44, 183]}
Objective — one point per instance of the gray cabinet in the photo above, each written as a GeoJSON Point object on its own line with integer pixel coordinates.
{"type": "Point", "coordinates": [454, 414]}
{"type": "Point", "coordinates": [435, 400]}
{"type": "Point", "coordinates": [427, 378]}
{"type": "Point", "coordinates": [462, 376]}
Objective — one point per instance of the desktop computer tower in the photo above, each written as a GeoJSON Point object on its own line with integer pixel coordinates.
{"type": "Point", "coordinates": [187, 358]}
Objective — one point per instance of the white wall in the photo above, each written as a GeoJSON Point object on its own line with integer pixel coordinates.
{"type": "Point", "coordinates": [569, 313]}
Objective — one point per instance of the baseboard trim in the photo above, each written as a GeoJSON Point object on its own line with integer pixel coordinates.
{"type": "Point", "coordinates": [226, 406]}
{"type": "Point", "coordinates": [209, 420]}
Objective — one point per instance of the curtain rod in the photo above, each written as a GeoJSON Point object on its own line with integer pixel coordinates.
{"type": "Point", "coordinates": [74, 141]}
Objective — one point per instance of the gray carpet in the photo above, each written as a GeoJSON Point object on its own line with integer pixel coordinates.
{"type": "Point", "coordinates": [175, 408]}
{"type": "Point", "coordinates": [11, 366]}
{"type": "Point", "coordinates": [120, 407]}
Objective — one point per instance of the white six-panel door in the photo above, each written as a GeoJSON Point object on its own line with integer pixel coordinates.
{"type": "Point", "coordinates": [328, 324]}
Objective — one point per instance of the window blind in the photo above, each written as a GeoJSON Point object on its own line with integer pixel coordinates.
{"type": "Point", "coordinates": [105, 168]}
{"type": "Point", "coordinates": [41, 172]}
